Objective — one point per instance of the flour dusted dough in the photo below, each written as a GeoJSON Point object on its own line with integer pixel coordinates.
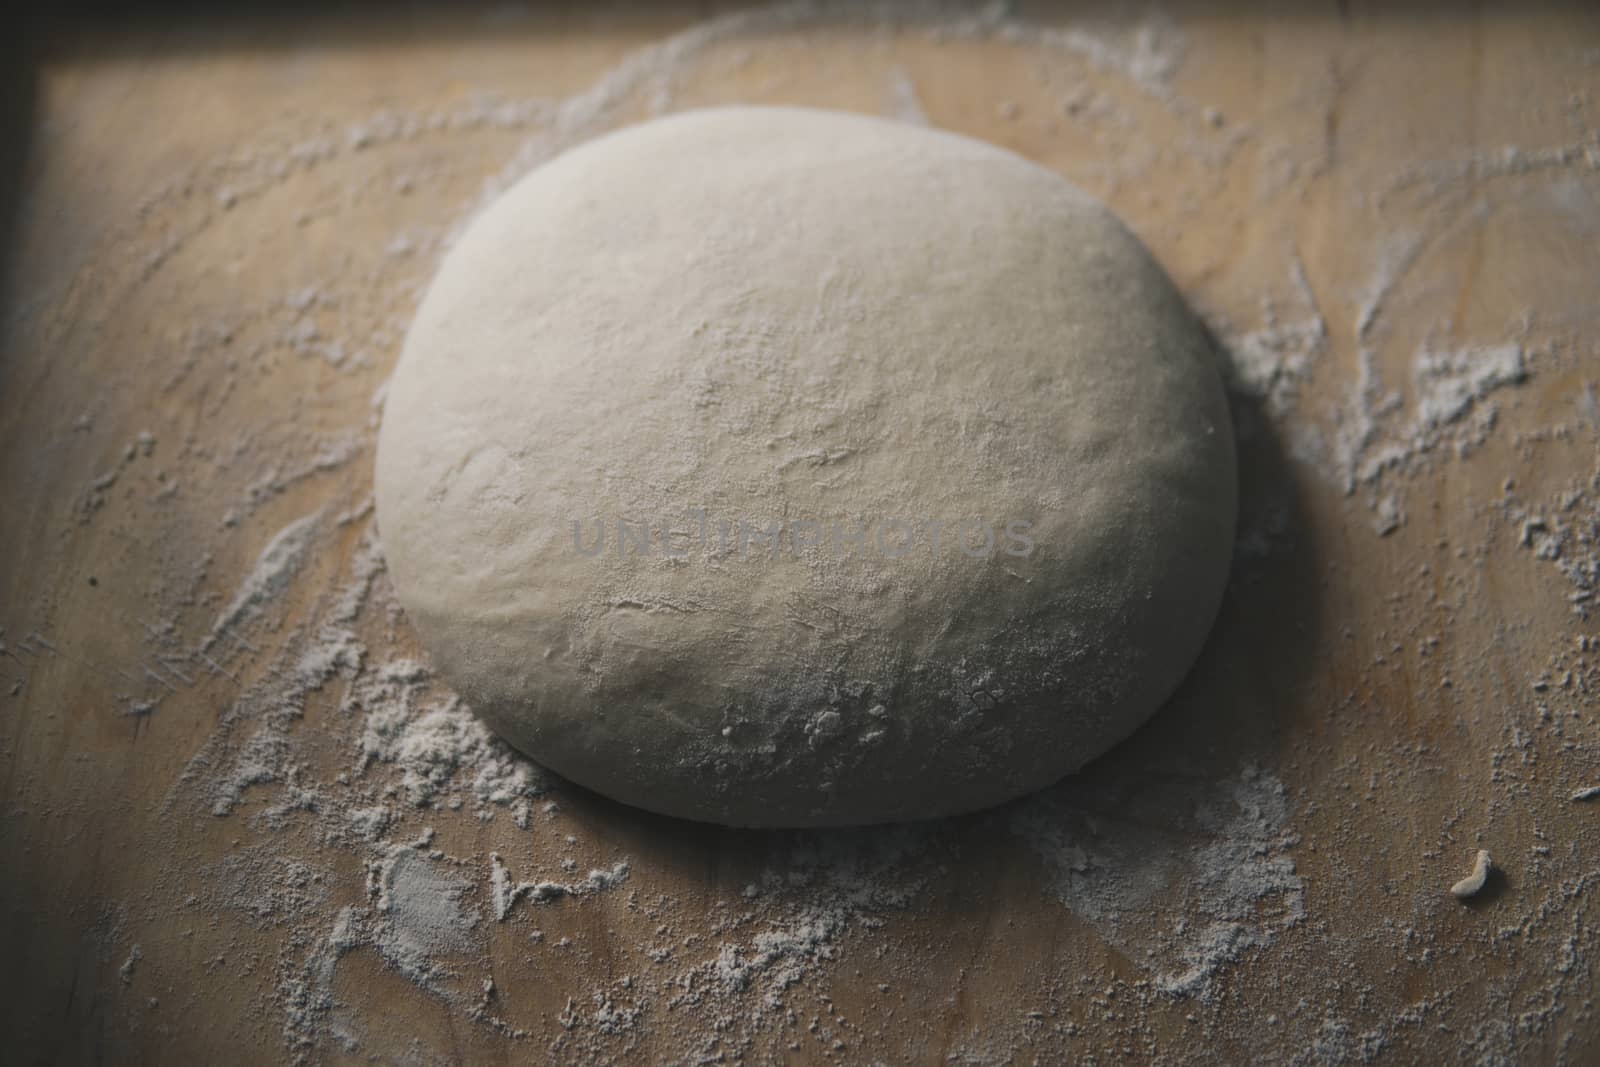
{"type": "Point", "coordinates": [923, 471]}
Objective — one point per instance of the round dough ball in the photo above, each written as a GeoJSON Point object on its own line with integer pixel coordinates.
{"type": "Point", "coordinates": [772, 466]}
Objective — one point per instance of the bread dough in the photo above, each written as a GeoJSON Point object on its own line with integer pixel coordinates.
{"type": "Point", "coordinates": [772, 466]}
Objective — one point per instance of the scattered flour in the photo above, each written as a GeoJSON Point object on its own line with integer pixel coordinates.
{"type": "Point", "coordinates": [420, 914]}
{"type": "Point", "coordinates": [1565, 532]}
{"type": "Point", "coordinates": [326, 455]}
{"type": "Point", "coordinates": [125, 972]}
{"type": "Point", "coordinates": [1176, 874]}
{"type": "Point", "coordinates": [432, 746]}
{"type": "Point", "coordinates": [1449, 383]}
{"type": "Point", "coordinates": [274, 570]}
{"type": "Point", "coordinates": [506, 892]}
{"type": "Point", "coordinates": [1273, 361]}
{"type": "Point", "coordinates": [904, 104]}
{"type": "Point", "coordinates": [1451, 413]}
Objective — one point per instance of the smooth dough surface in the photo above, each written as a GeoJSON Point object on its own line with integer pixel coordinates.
{"type": "Point", "coordinates": [737, 322]}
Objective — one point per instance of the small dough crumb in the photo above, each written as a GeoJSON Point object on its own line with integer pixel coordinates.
{"type": "Point", "coordinates": [1472, 884]}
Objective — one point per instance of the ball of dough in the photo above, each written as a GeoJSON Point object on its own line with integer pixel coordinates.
{"type": "Point", "coordinates": [771, 466]}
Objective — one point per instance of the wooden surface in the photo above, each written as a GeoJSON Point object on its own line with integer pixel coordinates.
{"type": "Point", "coordinates": [221, 232]}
